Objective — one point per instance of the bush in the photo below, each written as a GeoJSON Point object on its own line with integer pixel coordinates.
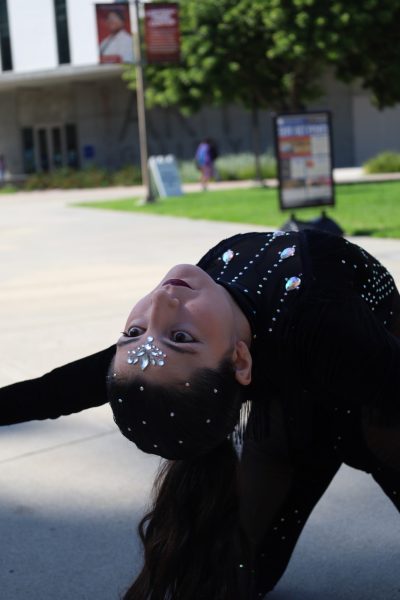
{"type": "Point", "coordinates": [242, 166]}
{"type": "Point", "coordinates": [188, 171]}
{"type": "Point", "coordinates": [129, 175]}
{"type": "Point", "coordinates": [232, 167]}
{"type": "Point", "coordinates": [66, 178]}
{"type": "Point", "coordinates": [229, 167]}
{"type": "Point", "coordinates": [8, 188]}
{"type": "Point", "coordinates": [385, 162]}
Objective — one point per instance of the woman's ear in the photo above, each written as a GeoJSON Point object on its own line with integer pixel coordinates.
{"type": "Point", "coordinates": [242, 362]}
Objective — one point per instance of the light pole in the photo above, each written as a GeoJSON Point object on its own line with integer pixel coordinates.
{"type": "Point", "coordinates": [141, 110]}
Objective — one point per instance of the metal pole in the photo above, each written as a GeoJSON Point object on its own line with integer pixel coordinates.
{"type": "Point", "coordinates": [141, 110]}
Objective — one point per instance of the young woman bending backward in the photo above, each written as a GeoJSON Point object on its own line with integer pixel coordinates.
{"type": "Point", "coordinates": [256, 373]}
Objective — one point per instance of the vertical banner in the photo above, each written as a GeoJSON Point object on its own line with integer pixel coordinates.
{"type": "Point", "coordinates": [161, 31]}
{"type": "Point", "coordinates": [114, 33]}
{"type": "Point", "coordinates": [303, 144]}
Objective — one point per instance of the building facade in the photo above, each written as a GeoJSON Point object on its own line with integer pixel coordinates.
{"type": "Point", "coordinates": [60, 107]}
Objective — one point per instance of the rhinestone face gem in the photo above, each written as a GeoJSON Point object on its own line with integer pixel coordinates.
{"type": "Point", "coordinates": [292, 283]}
{"type": "Point", "coordinates": [288, 252]}
{"type": "Point", "coordinates": [147, 354]}
{"type": "Point", "coordinates": [227, 256]}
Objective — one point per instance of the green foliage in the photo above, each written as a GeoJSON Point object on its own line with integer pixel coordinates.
{"type": "Point", "coordinates": [271, 53]}
{"type": "Point", "coordinates": [362, 209]}
{"type": "Point", "coordinates": [129, 175]}
{"type": "Point", "coordinates": [385, 162]}
{"type": "Point", "coordinates": [8, 188]}
{"type": "Point", "coordinates": [188, 171]}
{"type": "Point", "coordinates": [229, 167]}
{"type": "Point", "coordinates": [232, 167]}
{"type": "Point", "coordinates": [66, 178]}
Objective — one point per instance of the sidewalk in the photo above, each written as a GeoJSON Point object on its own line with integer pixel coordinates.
{"type": "Point", "coordinates": [72, 491]}
{"type": "Point", "coordinates": [347, 175]}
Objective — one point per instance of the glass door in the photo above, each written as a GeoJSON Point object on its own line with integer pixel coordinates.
{"type": "Point", "coordinates": [57, 154]}
{"type": "Point", "coordinates": [42, 150]}
{"type": "Point", "coordinates": [49, 147]}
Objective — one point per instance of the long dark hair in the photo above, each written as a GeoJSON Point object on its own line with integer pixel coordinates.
{"type": "Point", "coordinates": [193, 545]}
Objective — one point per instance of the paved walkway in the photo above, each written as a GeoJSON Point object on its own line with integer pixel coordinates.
{"type": "Point", "coordinates": [73, 490]}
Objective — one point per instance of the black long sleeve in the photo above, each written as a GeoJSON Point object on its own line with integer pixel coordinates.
{"type": "Point", "coordinates": [348, 357]}
{"type": "Point", "coordinates": [68, 389]}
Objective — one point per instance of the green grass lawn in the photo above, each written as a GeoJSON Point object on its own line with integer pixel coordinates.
{"type": "Point", "coordinates": [361, 209]}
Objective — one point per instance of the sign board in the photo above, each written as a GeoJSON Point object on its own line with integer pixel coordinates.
{"type": "Point", "coordinates": [304, 155]}
{"type": "Point", "coordinates": [165, 175]}
{"type": "Point", "coordinates": [161, 32]}
{"type": "Point", "coordinates": [114, 33]}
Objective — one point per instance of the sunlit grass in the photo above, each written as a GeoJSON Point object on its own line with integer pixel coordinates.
{"type": "Point", "coordinates": [361, 209]}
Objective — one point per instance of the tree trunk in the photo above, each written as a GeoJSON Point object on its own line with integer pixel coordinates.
{"type": "Point", "coordinates": [299, 83]}
{"type": "Point", "coordinates": [255, 126]}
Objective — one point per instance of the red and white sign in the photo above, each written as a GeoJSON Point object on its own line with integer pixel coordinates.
{"type": "Point", "coordinates": [114, 33]}
{"type": "Point", "coordinates": [161, 32]}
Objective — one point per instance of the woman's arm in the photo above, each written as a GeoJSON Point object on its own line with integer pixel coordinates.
{"type": "Point", "coordinates": [65, 390]}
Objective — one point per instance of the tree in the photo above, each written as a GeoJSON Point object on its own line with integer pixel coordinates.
{"type": "Point", "coordinates": [271, 54]}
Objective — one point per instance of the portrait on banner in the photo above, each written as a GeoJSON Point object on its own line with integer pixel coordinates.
{"type": "Point", "coordinates": [114, 33]}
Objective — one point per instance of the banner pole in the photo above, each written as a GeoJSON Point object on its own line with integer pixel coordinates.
{"type": "Point", "coordinates": [141, 109]}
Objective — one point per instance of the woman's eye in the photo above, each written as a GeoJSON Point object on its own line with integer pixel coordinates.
{"type": "Point", "coordinates": [182, 337]}
{"type": "Point", "coordinates": [133, 332]}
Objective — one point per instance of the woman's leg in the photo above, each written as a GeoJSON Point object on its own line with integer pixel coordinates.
{"type": "Point", "coordinates": [383, 443]}
{"type": "Point", "coordinates": [277, 495]}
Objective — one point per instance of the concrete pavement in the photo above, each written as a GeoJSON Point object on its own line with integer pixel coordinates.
{"type": "Point", "coordinates": [73, 490]}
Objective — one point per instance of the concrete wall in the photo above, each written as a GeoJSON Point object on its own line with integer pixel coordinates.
{"type": "Point", "coordinates": [105, 114]}
{"type": "Point", "coordinates": [374, 130]}
{"type": "Point", "coordinates": [338, 99]}
{"type": "Point", "coordinates": [10, 137]}
{"type": "Point", "coordinates": [108, 119]}
{"type": "Point", "coordinates": [33, 35]}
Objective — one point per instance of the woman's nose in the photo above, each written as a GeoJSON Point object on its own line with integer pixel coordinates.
{"type": "Point", "coordinates": [162, 304]}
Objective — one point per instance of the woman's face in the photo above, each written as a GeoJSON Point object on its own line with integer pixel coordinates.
{"type": "Point", "coordinates": [192, 319]}
{"type": "Point", "coordinates": [114, 22]}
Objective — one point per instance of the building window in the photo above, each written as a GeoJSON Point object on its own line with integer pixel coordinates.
{"type": "Point", "coordinates": [56, 145]}
{"type": "Point", "coordinates": [71, 139]}
{"type": "Point", "coordinates": [60, 10]}
{"type": "Point", "coordinates": [43, 147]}
{"type": "Point", "coordinates": [5, 43]}
{"type": "Point", "coordinates": [28, 150]}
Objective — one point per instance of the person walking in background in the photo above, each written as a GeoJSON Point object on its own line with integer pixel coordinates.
{"type": "Point", "coordinates": [214, 153]}
{"type": "Point", "coordinates": [205, 156]}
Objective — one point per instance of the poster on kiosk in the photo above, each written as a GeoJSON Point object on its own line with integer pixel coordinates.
{"type": "Point", "coordinates": [304, 154]}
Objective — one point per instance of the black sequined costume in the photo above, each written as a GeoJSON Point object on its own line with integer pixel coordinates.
{"type": "Point", "coordinates": [325, 318]}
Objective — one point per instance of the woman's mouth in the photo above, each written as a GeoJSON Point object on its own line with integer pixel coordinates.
{"type": "Point", "coordinates": [177, 282]}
